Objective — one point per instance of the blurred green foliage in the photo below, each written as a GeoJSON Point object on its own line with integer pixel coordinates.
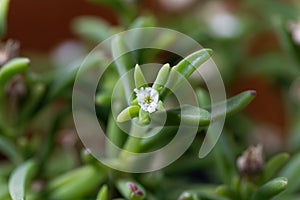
{"type": "Point", "coordinates": [41, 157]}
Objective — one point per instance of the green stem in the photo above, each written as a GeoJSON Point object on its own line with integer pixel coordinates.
{"type": "Point", "coordinates": [134, 141]}
{"type": "Point", "coordinates": [115, 135]}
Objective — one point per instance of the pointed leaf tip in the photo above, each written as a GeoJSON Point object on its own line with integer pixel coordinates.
{"type": "Point", "coordinates": [128, 113]}
{"type": "Point", "coordinates": [253, 92]}
{"type": "Point", "coordinates": [139, 78]}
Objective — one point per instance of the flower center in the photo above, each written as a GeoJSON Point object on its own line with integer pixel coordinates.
{"type": "Point", "coordinates": [148, 100]}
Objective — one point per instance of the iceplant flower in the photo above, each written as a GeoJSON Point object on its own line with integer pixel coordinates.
{"type": "Point", "coordinates": [146, 99]}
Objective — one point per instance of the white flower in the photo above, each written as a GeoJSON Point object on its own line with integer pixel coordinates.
{"type": "Point", "coordinates": [147, 98]}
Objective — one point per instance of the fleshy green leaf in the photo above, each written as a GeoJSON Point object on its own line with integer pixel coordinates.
{"type": "Point", "coordinates": [142, 22]}
{"type": "Point", "coordinates": [161, 78]}
{"type": "Point", "coordinates": [187, 114]}
{"type": "Point", "coordinates": [32, 102]}
{"type": "Point", "coordinates": [103, 99]}
{"type": "Point", "coordinates": [274, 165]}
{"type": "Point", "coordinates": [103, 193]}
{"type": "Point", "coordinates": [75, 184]}
{"type": "Point", "coordinates": [203, 98]}
{"type": "Point", "coordinates": [271, 189]}
{"type": "Point", "coordinates": [124, 62]}
{"type": "Point", "coordinates": [185, 67]}
{"type": "Point", "coordinates": [11, 68]}
{"type": "Point", "coordinates": [128, 113]}
{"type": "Point", "coordinates": [291, 170]}
{"type": "Point", "coordinates": [239, 102]}
{"type": "Point", "coordinates": [19, 180]}
{"type": "Point", "coordinates": [139, 78]}
{"type": "Point", "coordinates": [3, 14]}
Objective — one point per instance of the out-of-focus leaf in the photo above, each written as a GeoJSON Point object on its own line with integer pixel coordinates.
{"type": "Point", "coordinates": [8, 149]}
{"type": "Point", "coordinates": [3, 14]}
{"type": "Point", "coordinates": [273, 166]}
{"type": "Point", "coordinates": [75, 184]}
{"type": "Point", "coordinates": [286, 38]}
{"type": "Point", "coordinates": [4, 193]}
{"type": "Point", "coordinates": [11, 68]}
{"type": "Point", "coordinates": [20, 178]}
{"type": "Point", "coordinates": [92, 28]}
{"type": "Point", "coordinates": [237, 103]}
{"type": "Point", "coordinates": [291, 171]}
{"type": "Point", "coordinates": [142, 22]}
{"type": "Point", "coordinates": [32, 103]}
{"type": "Point", "coordinates": [270, 189]}
{"type": "Point", "coordinates": [103, 193]}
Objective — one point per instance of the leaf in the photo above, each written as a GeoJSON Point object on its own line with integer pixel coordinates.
{"type": "Point", "coordinates": [186, 114]}
{"type": "Point", "coordinates": [63, 78]}
{"type": "Point", "coordinates": [3, 14]}
{"type": "Point", "coordinates": [103, 193]}
{"type": "Point", "coordinates": [128, 113]}
{"type": "Point", "coordinates": [203, 98]}
{"type": "Point", "coordinates": [270, 189]}
{"type": "Point", "coordinates": [286, 38]}
{"type": "Point", "coordinates": [159, 139]}
{"type": "Point", "coordinates": [32, 103]}
{"type": "Point", "coordinates": [19, 180]}
{"type": "Point", "coordinates": [142, 22]}
{"type": "Point", "coordinates": [237, 103]}
{"type": "Point", "coordinates": [124, 62]}
{"type": "Point", "coordinates": [11, 68]}
{"type": "Point", "coordinates": [225, 191]}
{"type": "Point", "coordinates": [75, 184]}
{"type": "Point", "coordinates": [273, 166]}
{"type": "Point", "coordinates": [4, 193]}
{"type": "Point", "coordinates": [189, 64]}
{"type": "Point", "coordinates": [9, 150]}
{"type": "Point", "coordinates": [291, 170]}
{"type": "Point", "coordinates": [161, 78]}
{"type": "Point", "coordinates": [139, 78]}
{"type": "Point", "coordinates": [185, 68]}
{"type": "Point", "coordinates": [92, 28]}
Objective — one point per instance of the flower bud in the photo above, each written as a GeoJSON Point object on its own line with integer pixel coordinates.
{"type": "Point", "coordinates": [251, 162]}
